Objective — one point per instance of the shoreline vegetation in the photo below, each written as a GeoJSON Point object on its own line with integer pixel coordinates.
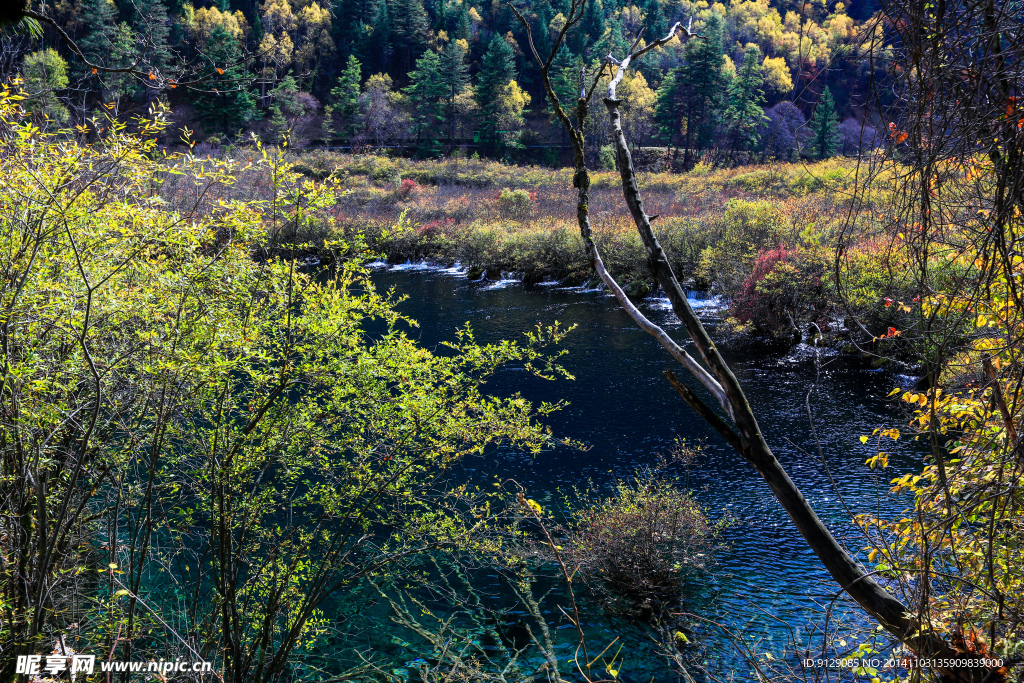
{"type": "Point", "coordinates": [761, 236]}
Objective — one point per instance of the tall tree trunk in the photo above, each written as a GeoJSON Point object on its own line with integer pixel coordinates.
{"type": "Point", "coordinates": [749, 442]}
{"type": "Point", "coordinates": [746, 438]}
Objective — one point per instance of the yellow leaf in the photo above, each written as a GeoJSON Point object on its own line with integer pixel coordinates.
{"type": "Point", "coordinates": [863, 439]}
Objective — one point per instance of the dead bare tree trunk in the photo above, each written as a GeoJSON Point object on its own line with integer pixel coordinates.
{"type": "Point", "coordinates": [744, 435]}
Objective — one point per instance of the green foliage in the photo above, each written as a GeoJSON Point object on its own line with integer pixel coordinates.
{"type": "Point", "coordinates": [427, 90]}
{"type": "Point", "coordinates": [497, 69]}
{"type": "Point", "coordinates": [565, 78]}
{"type": "Point", "coordinates": [411, 28]}
{"type": "Point", "coordinates": [233, 411]}
{"type": "Point", "coordinates": [824, 125]}
{"type": "Point", "coordinates": [746, 228]}
{"type": "Point", "coordinates": [285, 107]}
{"type": "Point", "coordinates": [99, 31]}
{"type": "Point", "coordinates": [346, 96]}
{"type": "Point", "coordinates": [454, 77]}
{"type": "Point", "coordinates": [690, 98]}
{"type": "Point", "coordinates": [514, 203]}
{"type": "Point", "coordinates": [225, 104]}
{"type": "Point", "coordinates": [607, 157]}
{"type": "Point", "coordinates": [639, 542]}
{"type": "Point", "coordinates": [45, 73]}
{"type": "Point", "coordinates": [150, 19]}
{"type": "Point", "coordinates": [744, 101]}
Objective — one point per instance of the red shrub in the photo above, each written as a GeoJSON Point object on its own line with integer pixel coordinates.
{"type": "Point", "coordinates": [783, 284]}
{"type": "Point", "coordinates": [437, 227]}
{"type": "Point", "coordinates": [407, 189]}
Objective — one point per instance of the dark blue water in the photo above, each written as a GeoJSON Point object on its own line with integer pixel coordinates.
{"type": "Point", "coordinates": [765, 582]}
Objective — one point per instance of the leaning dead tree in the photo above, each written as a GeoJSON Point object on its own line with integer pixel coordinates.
{"type": "Point", "coordinates": [739, 428]}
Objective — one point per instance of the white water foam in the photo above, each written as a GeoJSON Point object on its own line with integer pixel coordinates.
{"type": "Point", "coordinates": [803, 351]}
{"type": "Point", "coordinates": [501, 284]}
{"type": "Point", "coordinates": [700, 302]}
{"type": "Point", "coordinates": [583, 289]}
{"type": "Point", "coordinates": [424, 266]}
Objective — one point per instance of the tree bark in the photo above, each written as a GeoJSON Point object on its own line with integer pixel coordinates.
{"type": "Point", "coordinates": [749, 442]}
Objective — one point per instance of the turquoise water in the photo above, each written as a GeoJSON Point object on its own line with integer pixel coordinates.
{"type": "Point", "coordinates": [765, 586]}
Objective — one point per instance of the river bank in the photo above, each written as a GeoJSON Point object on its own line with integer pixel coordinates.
{"type": "Point", "coordinates": [761, 237]}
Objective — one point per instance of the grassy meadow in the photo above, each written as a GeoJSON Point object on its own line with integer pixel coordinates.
{"type": "Point", "coordinates": [764, 236]}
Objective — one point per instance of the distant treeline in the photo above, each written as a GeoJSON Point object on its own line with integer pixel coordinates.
{"type": "Point", "coordinates": [428, 77]}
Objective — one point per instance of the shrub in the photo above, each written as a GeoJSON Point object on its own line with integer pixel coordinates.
{"type": "Point", "coordinates": [784, 285]}
{"type": "Point", "coordinates": [407, 189]}
{"type": "Point", "coordinates": [515, 203]}
{"type": "Point", "coordinates": [435, 228]}
{"type": "Point", "coordinates": [638, 542]}
{"type": "Point", "coordinates": [760, 181]}
{"type": "Point", "coordinates": [607, 157]}
{"type": "Point", "coordinates": [384, 171]}
{"type": "Point", "coordinates": [746, 228]}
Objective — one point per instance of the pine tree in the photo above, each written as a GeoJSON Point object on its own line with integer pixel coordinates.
{"type": "Point", "coordinates": [565, 78]}
{"type": "Point", "coordinates": [427, 92]}
{"type": "Point", "coordinates": [150, 22]}
{"type": "Point", "coordinates": [591, 27]}
{"type": "Point", "coordinates": [100, 31]}
{"type": "Point", "coordinates": [376, 48]}
{"type": "Point", "coordinates": [693, 92]}
{"type": "Point", "coordinates": [745, 101]}
{"type": "Point", "coordinates": [824, 126]}
{"type": "Point", "coordinates": [497, 68]}
{"type": "Point", "coordinates": [541, 40]}
{"type": "Point", "coordinates": [346, 96]}
{"type": "Point", "coordinates": [226, 104]}
{"type": "Point", "coordinates": [454, 77]}
{"type": "Point", "coordinates": [657, 27]}
{"type": "Point", "coordinates": [286, 107]}
{"type": "Point", "coordinates": [463, 24]}
{"type": "Point", "coordinates": [411, 27]}
{"type": "Point", "coordinates": [667, 109]}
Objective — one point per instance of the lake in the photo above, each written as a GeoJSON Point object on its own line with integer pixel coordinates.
{"type": "Point", "coordinates": [766, 584]}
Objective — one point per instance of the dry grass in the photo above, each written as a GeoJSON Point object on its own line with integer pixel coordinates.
{"type": "Point", "coordinates": [713, 223]}
{"type": "Point", "coordinates": [454, 212]}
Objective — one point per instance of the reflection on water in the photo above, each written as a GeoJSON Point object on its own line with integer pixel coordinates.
{"type": "Point", "coordinates": [624, 408]}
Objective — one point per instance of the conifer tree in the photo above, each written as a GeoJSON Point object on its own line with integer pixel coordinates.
{"type": "Point", "coordinates": [454, 77]}
{"type": "Point", "coordinates": [346, 97]}
{"type": "Point", "coordinates": [694, 91]}
{"type": "Point", "coordinates": [497, 68]}
{"type": "Point", "coordinates": [427, 91]}
{"type": "Point", "coordinates": [150, 21]}
{"type": "Point", "coordinates": [565, 80]}
{"type": "Point", "coordinates": [98, 37]}
{"type": "Point", "coordinates": [591, 27]}
{"type": "Point", "coordinates": [744, 103]}
{"type": "Point", "coordinates": [540, 34]}
{"type": "Point", "coordinates": [376, 49]}
{"type": "Point", "coordinates": [824, 126]}
{"type": "Point", "coordinates": [411, 28]}
{"type": "Point", "coordinates": [655, 20]}
{"type": "Point", "coordinates": [226, 104]}
{"type": "Point", "coordinates": [462, 24]}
